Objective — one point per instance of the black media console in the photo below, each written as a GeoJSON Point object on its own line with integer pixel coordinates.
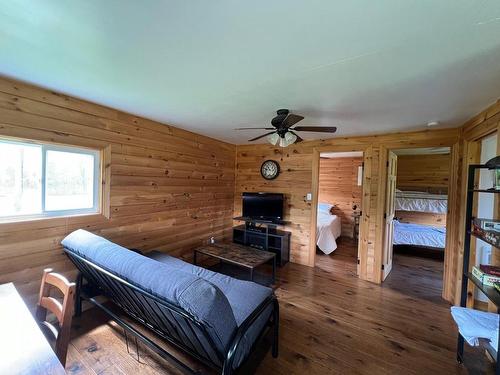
{"type": "Point", "coordinates": [264, 236]}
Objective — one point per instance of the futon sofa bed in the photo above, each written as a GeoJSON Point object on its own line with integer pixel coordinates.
{"type": "Point", "coordinates": [214, 318]}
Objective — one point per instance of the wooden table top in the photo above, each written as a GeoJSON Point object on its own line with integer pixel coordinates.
{"type": "Point", "coordinates": [237, 254]}
{"type": "Point", "coordinates": [23, 347]}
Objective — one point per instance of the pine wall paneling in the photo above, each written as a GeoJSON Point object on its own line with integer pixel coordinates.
{"type": "Point", "coordinates": [428, 173]}
{"type": "Point", "coordinates": [483, 124]}
{"type": "Point", "coordinates": [169, 190]}
{"type": "Point", "coordinates": [424, 218]}
{"type": "Point", "coordinates": [424, 172]}
{"type": "Point", "coordinates": [295, 181]}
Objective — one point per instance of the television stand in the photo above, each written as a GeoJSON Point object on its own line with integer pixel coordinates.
{"type": "Point", "coordinates": [261, 221]}
{"type": "Point", "coordinates": [264, 235]}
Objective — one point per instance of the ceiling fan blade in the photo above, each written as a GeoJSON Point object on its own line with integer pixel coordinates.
{"type": "Point", "coordinates": [291, 120]}
{"type": "Point", "coordinates": [299, 138]}
{"type": "Point", "coordinates": [254, 128]}
{"type": "Point", "coordinates": [320, 129]}
{"type": "Point", "coordinates": [261, 136]}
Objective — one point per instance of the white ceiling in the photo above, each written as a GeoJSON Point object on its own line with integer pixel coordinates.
{"type": "Point", "coordinates": [210, 66]}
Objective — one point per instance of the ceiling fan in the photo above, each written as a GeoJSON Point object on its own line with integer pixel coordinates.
{"type": "Point", "coordinates": [282, 132]}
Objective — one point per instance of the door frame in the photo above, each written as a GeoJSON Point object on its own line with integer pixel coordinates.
{"type": "Point", "coordinates": [450, 227]}
{"type": "Point", "coordinates": [386, 269]}
{"type": "Point", "coordinates": [363, 222]}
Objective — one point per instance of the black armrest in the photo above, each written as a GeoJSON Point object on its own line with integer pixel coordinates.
{"type": "Point", "coordinates": [245, 326]}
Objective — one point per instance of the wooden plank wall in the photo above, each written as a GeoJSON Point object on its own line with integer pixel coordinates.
{"type": "Point", "coordinates": [424, 173]}
{"type": "Point", "coordinates": [428, 173]}
{"type": "Point", "coordinates": [295, 181]}
{"type": "Point", "coordinates": [483, 124]}
{"type": "Point", "coordinates": [170, 189]}
{"type": "Point", "coordinates": [424, 218]}
{"type": "Point", "coordinates": [338, 184]}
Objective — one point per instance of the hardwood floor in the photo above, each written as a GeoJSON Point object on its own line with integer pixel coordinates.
{"type": "Point", "coordinates": [331, 323]}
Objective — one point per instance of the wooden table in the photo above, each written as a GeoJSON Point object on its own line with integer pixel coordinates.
{"type": "Point", "coordinates": [238, 255]}
{"type": "Point", "coordinates": [23, 347]}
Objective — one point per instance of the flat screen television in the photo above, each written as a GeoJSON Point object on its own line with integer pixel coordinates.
{"type": "Point", "coordinates": [263, 206]}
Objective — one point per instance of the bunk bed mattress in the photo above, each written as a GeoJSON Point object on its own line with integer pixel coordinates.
{"type": "Point", "coordinates": [419, 235]}
{"type": "Point", "coordinates": [421, 202]}
{"type": "Point", "coordinates": [328, 230]}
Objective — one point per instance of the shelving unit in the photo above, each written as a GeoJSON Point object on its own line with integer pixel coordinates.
{"type": "Point", "coordinates": [264, 237]}
{"type": "Point", "coordinates": [490, 292]}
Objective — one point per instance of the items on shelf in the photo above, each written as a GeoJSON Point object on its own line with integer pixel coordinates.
{"type": "Point", "coordinates": [488, 224]}
{"type": "Point", "coordinates": [494, 165]}
{"type": "Point", "coordinates": [474, 325]}
{"type": "Point", "coordinates": [492, 236]}
{"type": "Point", "coordinates": [485, 278]}
{"type": "Point", "coordinates": [492, 270]}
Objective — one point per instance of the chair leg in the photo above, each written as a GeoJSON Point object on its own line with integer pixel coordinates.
{"type": "Point", "coordinates": [78, 298]}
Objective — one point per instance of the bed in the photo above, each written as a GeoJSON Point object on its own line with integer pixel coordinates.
{"type": "Point", "coordinates": [420, 225]}
{"type": "Point", "coordinates": [419, 235]}
{"type": "Point", "coordinates": [328, 228]}
{"type": "Point", "coordinates": [421, 202]}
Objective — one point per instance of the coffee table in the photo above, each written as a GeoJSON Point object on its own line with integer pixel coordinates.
{"type": "Point", "coordinates": [238, 255]}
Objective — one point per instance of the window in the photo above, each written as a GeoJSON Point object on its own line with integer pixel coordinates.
{"type": "Point", "coordinates": [38, 180]}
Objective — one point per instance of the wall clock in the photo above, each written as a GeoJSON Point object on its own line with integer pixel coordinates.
{"type": "Point", "coordinates": [270, 169]}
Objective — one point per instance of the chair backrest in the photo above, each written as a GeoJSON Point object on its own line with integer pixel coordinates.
{"type": "Point", "coordinates": [62, 311]}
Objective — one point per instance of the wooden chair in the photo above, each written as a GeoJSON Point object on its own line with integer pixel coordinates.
{"type": "Point", "coordinates": [62, 311]}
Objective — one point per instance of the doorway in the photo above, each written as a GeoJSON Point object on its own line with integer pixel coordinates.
{"type": "Point", "coordinates": [339, 209]}
{"type": "Point", "coordinates": [415, 215]}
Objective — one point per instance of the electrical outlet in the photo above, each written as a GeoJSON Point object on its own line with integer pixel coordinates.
{"type": "Point", "coordinates": [309, 197]}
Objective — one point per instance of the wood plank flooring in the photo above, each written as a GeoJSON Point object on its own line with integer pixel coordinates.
{"type": "Point", "coordinates": [331, 323]}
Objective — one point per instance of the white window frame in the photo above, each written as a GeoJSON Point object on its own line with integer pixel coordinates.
{"type": "Point", "coordinates": [45, 147]}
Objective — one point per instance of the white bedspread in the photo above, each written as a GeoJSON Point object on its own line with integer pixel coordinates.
{"type": "Point", "coordinates": [421, 202]}
{"type": "Point", "coordinates": [419, 235]}
{"type": "Point", "coordinates": [328, 231]}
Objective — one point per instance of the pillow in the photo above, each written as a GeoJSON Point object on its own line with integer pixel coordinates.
{"type": "Point", "coordinates": [325, 207]}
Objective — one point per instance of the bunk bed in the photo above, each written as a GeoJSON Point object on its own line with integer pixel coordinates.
{"type": "Point", "coordinates": [421, 202]}
{"type": "Point", "coordinates": [420, 235]}
{"type": "Point", "coordinates": [424, 229]}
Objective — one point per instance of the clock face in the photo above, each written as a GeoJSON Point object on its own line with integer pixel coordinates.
{"type": "Point", "coordinates": [270, 169]}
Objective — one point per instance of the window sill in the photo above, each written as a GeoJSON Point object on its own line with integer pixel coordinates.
{"type": "Point", "coordinates": [90, 216]}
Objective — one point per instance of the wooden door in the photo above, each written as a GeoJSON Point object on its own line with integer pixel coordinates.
{"type": "Point", "coordinates": [392, 164]}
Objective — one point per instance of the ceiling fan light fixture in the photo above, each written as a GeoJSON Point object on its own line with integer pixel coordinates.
{"type": "Point", "coordinates": [284, 128]}
{"type": "Point", "coordinates": [288, 139]}
{"type": "Point", "coordinates": [273, 139]}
